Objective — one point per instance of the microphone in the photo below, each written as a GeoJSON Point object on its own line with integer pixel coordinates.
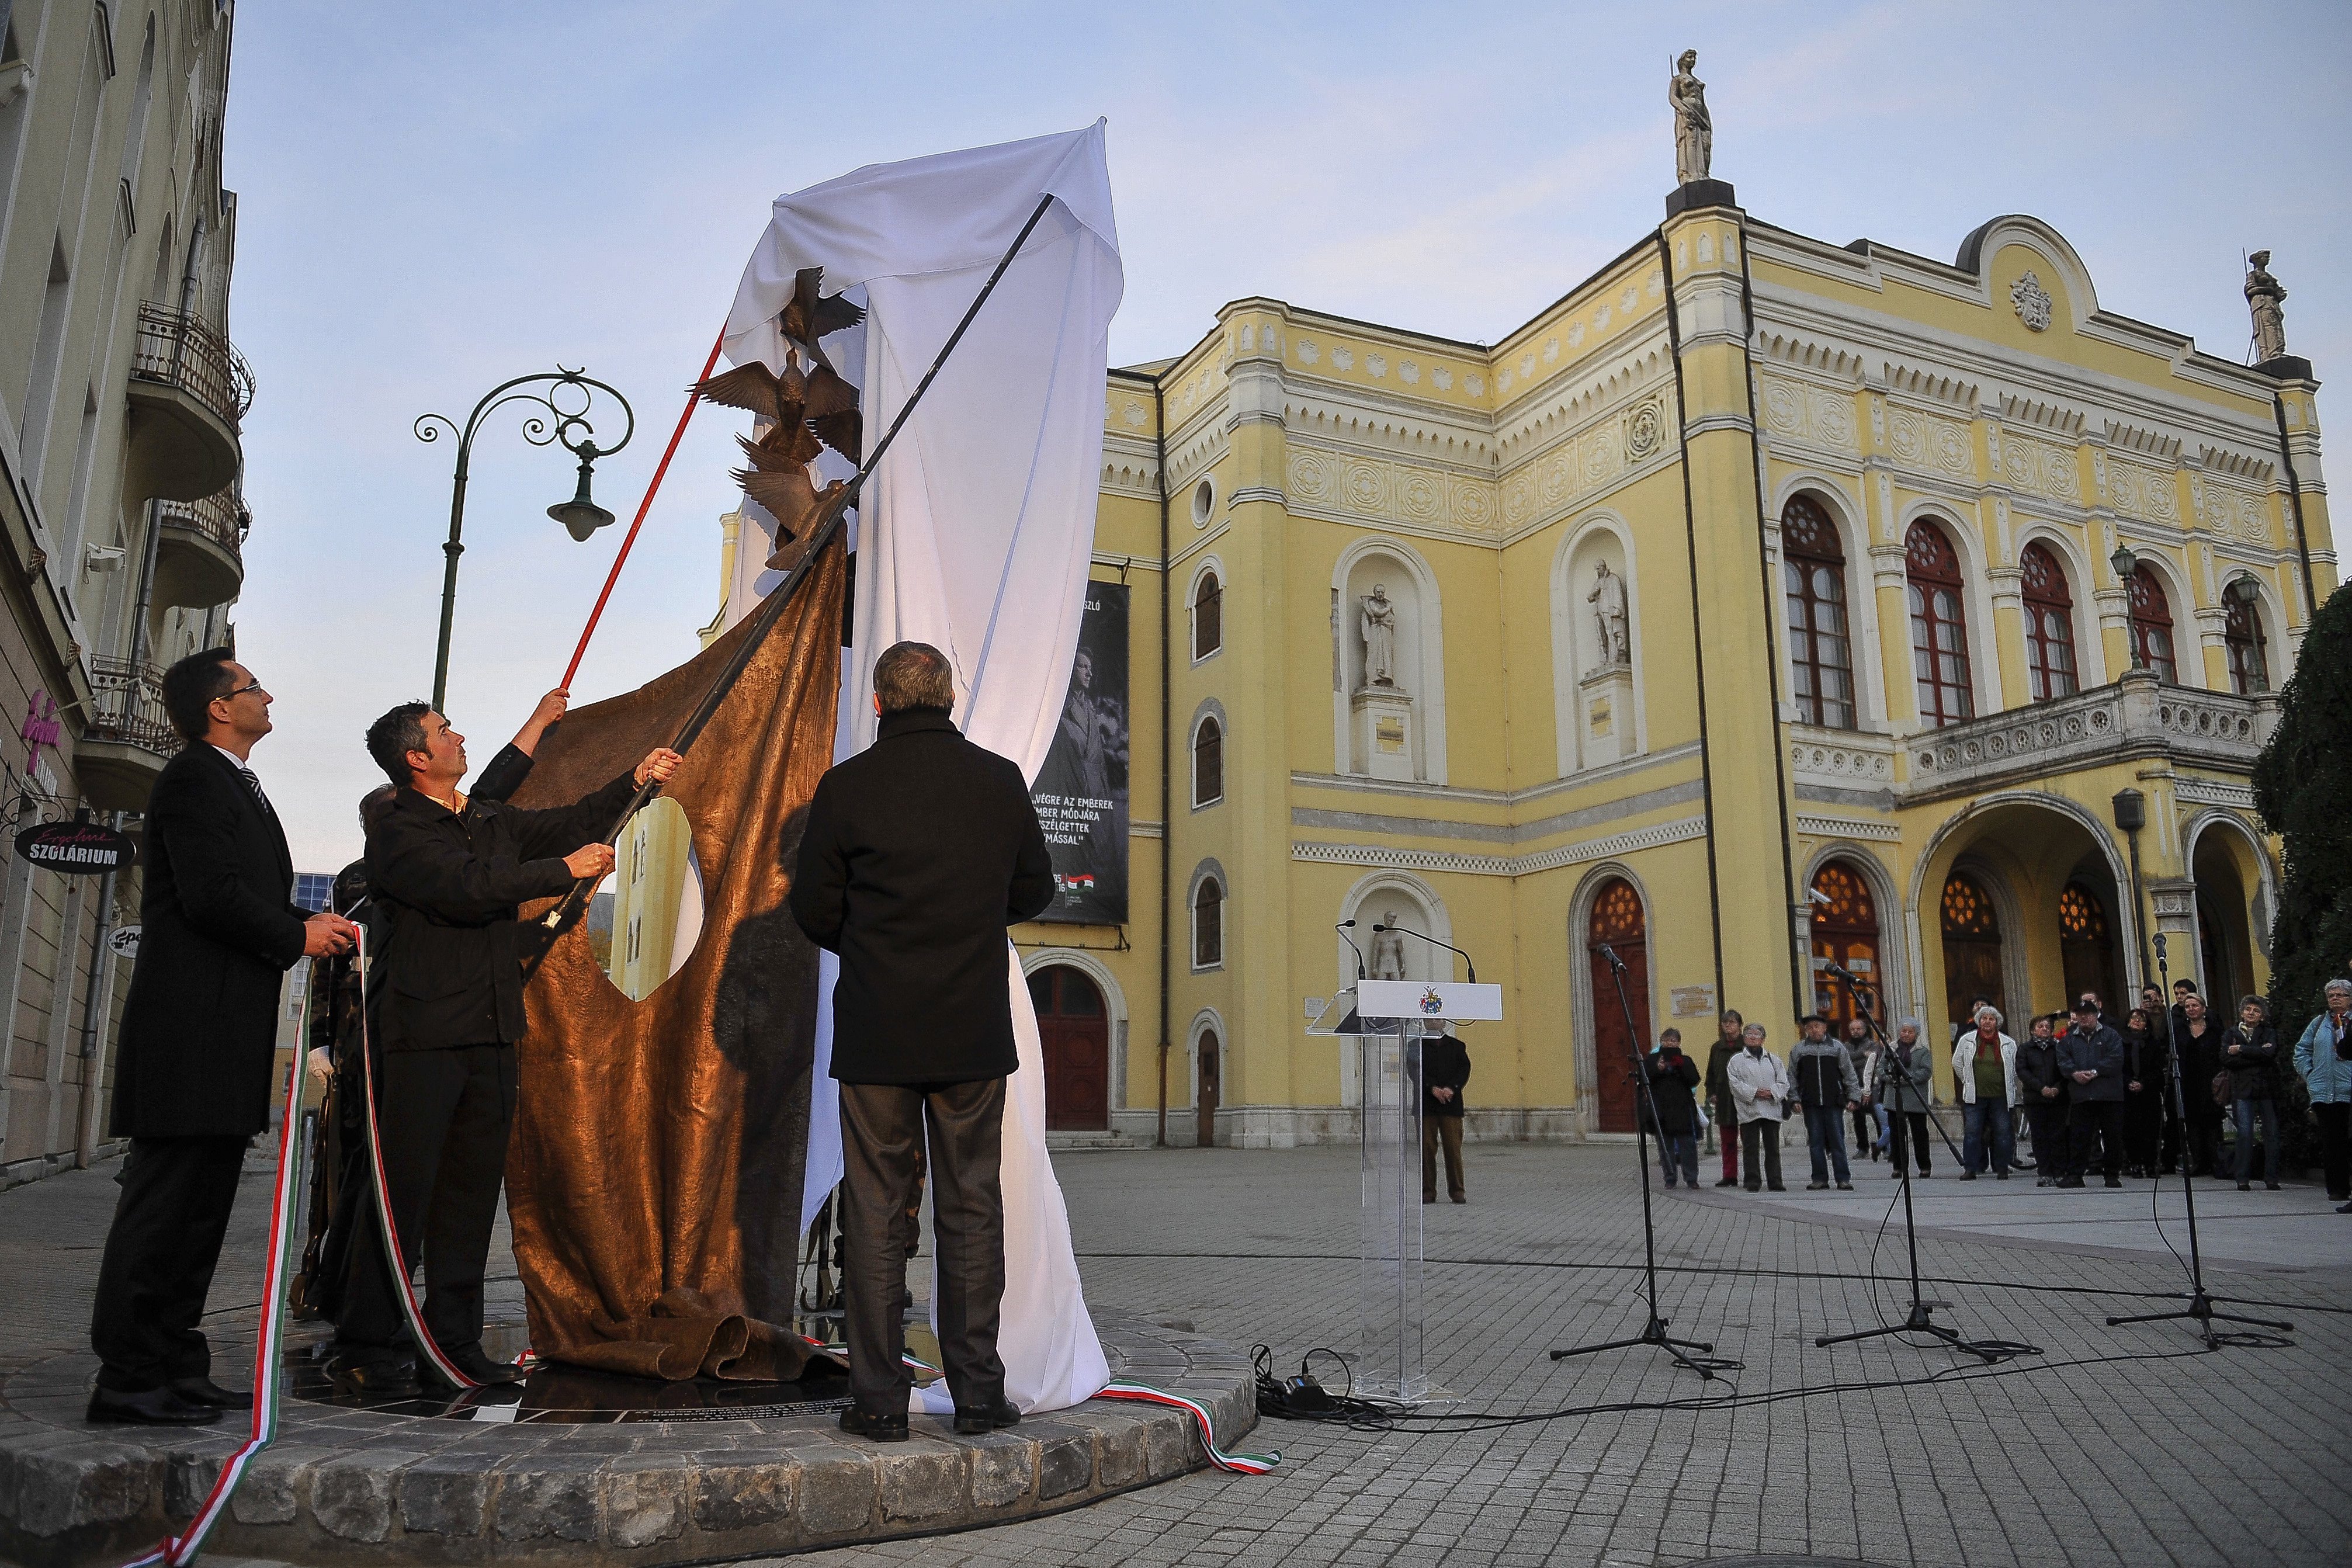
{"type": "Point", "coordinates": [1434, 942]}
{"type": "Point", "coordinates": [1609, 954]}
{"type": "Point", "coordinates": [1342, 929]}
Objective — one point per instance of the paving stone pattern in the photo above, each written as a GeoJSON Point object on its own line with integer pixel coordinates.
{"type": "Point", "coordinates": [2127, 1446]}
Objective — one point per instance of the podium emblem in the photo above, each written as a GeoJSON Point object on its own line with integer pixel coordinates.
{"type": "Point", "coordinates": [1431, 1002]}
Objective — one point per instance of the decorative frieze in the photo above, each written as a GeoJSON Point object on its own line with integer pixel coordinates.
{"type": "Point", "coordinates": [2137, 490]}
{"type": "Point", "coordinates": [1850, 761]}
{"type": "Point", "coordinates": [2231, 510]}
{"type": "Point", "coordinates": [1798, 411]}
{"type": "Point", "coordinates": [2034, 467]}
{"type": "Point", "coordinates": [1876, 832]}
{"type": "Point", "coordinates": [1381, 857]}
{"type": "Point", "coordinates": [1924, 442]}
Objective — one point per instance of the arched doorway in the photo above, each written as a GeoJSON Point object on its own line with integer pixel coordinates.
{"type": "Point", "coordinates": [2087, 942]}
{"type": "Point", "coordinates": [1210, 1092]}
{"type": "Point", "coordinates": [1617, 923]}
{"type": "Point", "coordinates": [1971, 948]}
{"type": "Point", "coordinates": [1075, 1028]}
{"type": "Point", "coordinates": [1846, 932]}
{"type": "Point", "coordinates": [2224, 927]}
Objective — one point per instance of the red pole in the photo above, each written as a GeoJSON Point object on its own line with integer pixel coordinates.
{"type": "Point", "coordinates": [643, 507]}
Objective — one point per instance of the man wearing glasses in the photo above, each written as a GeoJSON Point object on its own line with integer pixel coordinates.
{"type": "Point", "coordinates": [199, 1035]}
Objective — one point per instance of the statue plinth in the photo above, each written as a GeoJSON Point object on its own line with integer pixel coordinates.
{"type": "Point", "coordinates": [1700, 194]}
{"type": "Point", "coordinates": [2287, 367]}
{"type": "Point", "coordinates": [1604, 715]}
{"type": "Point", "coordinates": [1381, 722]}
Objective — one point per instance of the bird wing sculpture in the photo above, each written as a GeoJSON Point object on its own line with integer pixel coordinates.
{"type": "Point", "coordinates": [806, 411]}
{"type": "Point", "coordinates": [832, 410]}
{"type": "Point", "coordinates": [758, 389]}
{"type": "Point", "coordinates": [809, 316]}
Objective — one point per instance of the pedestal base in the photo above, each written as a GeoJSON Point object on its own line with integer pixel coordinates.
{"type": "Point", "coordinates": [1381, 721]}
{"type": "Point", "coordinates": [1604, 715]}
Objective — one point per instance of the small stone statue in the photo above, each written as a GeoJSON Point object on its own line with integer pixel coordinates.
{"type": "Point", "coordinates": [1380, 637]}
{"type": "Point", "coordinates": [1388, 950]}
{"type": "Point", "coordinates": [1694, 128]}
{"type": "Point", "coordinates": [1608, 602]}
{"type": "Point", "coordinates": [2263, 298]}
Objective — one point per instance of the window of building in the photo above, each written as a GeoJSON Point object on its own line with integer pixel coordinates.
{"type": "Point", "coordinates": [1208, 617]}
{"type": "Point", "coordinates": [313, 891]}
{"type": "Point", "coordinates": [2049, 625]}
{"type": "Point", "coordinates": [1208, 925]}
{"type": "Point", "coordinates": [1820, 643]}
{"type": "Point", "coordinates": [1208, 762]}
{"type": "Point", "coordinates": [2250, 664]}
{"type": "Point", "coordinates": [2151, 627]}
{"type": "Point", "coordinates": [1939, 627]}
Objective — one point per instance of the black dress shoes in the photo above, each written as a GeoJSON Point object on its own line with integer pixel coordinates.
{"type": "Point", "coordinates": [206, 1391]}
{"type": "Point", "coordinates": [877, 1428]}
{"type": "Point", "coordinates": [986, 1419]}
{"type": "Point", "coordinates": [475, 1364]}
{"type": "Point", "coordinates": [382, 1377]}
{"type": "Point", "coordinates": [147, 1407]}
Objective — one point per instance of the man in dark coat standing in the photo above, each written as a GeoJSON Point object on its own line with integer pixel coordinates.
{"type": "Point", "coordinates": [917, 853]}
{"type": "Point", "coordinates": [445, 872]}
{"type": "Point", "coordinates": [2092, 1057]}
{"type": "Point", "coordinates": [1444, 1074]}
{"type": "Point", "coordinates": [1671, 1078]}
{"type": "Point", "coordinates": [199, 1034]}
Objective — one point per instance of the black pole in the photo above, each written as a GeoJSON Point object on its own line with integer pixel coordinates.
{"type": "Point", "coordinates": [2199, 1309]}
{"type": "Point", "coordinates": [773, 609]}
{"type": "Point", "coordinates": [1654, 1332]}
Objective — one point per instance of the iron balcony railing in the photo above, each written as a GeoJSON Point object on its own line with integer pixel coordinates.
{"type": "Point", "coordinates": [220, 517]}
{"type": "Point", "coordinates": [127, 705]}
{"type": "Point", "coordinates": [179, 348]}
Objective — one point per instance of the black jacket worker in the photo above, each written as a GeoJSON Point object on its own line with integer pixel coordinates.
{"type": "Point", "coordinates": [917, 853]}
{"type": "Point", "coordinates": [199, 1035]}
{"type": "Point", "coordinates": [2091, 1058]}
{"type": "Point", "coordinates": [444, 996]}
{"type": "Point", "coordinates": [1444, 1073]}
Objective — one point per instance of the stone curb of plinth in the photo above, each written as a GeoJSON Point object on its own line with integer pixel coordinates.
{"type": "Point", "coordinates": [345, 1487]}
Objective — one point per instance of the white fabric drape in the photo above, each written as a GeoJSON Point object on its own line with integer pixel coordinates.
{"type": "Point", "coordinates": [975, 536]}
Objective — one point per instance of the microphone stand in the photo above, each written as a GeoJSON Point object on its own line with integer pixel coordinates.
{"type": "Point", "coordinates": [1653, 1333]}
{"type": "Point", "coordinates": [1342, 929]}
{"type": "Point", "coordinates": [2199, 1309]}
{"type": "Point", "coordinates": [1920, 1319]}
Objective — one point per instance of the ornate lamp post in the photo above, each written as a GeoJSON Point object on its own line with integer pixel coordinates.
{"type": "Point", "coordinates": [2126, 565]}
{"type": "Point", "coordinates": [558, 425]}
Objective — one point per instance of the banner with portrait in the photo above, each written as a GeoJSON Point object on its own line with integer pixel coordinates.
{"type": "Point", "coordinates": [1081, 792]}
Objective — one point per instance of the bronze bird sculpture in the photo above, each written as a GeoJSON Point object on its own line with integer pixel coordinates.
{"type": "Point", "coordinates": [755, 387]}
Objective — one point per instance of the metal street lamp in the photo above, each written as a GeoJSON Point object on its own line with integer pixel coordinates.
{"type": "Point", "coordinates": [2126, 563]}
{"type": "Point", "coordinates": [566, 425]}
{"type": "Point", "coordinates": [2245, 590]}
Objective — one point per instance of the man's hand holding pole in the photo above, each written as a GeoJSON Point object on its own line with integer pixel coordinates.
{"type": "Point", "coordinates": [327, 934]}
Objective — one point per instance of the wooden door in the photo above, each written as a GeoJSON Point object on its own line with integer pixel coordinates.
{"type": "Point", "coordinates": [1971, 949]}
{"type": "Point", "coordinates": [1846, 932]}
{"type": "Point", "coordinates": [1617, 922]}
{"type": "Point", "coordinates": [2088, 949]}
{"type": "Point", "coordinates": [1074, 1028]}
{"type": "Point", "coordinates": [1211, 1089]}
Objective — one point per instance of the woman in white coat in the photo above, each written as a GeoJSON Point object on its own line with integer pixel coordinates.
{"type": "Point", "coordinates": [1984, 1071]}
{"type": "Point", "coordinates": [1760, 1090]}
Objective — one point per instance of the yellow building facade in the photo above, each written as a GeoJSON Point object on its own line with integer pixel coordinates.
{"type": "Point", "coordinates": [1760, 600]}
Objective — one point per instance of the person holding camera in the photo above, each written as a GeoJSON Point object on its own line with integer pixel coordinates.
{"type": "Point", "coordinates": [1673, 1081]}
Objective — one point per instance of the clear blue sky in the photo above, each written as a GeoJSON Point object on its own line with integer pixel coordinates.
{"type": "Point", "coordinates": [438, 196]}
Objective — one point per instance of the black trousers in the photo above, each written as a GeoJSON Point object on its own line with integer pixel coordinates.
{"type": "Point", "coordinates": [2144, 1125]}
{"type": "Point", "coordinates": [2334, 1148]}
{"type": "Point", "coordinates": [160, 1255]}
{"type": "Point", "coordinates": [884, 1127]}
{"type": "Point", "coordinates": [1761, 1140]}
{"type": "Point", "coordinates": [1907, 1136]}
{"type": "Point", "coordinates": [443, 1116]}
{"type": "Point", "coordinates": [2095, 1119]}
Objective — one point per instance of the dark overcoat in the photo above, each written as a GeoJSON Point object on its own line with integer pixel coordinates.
{"type": "Point", "coordinates": [220, 930]}
{"type": "Point", "coordinates": [919, 852]}
{"type": "Point", "coordinates": [448, 971]}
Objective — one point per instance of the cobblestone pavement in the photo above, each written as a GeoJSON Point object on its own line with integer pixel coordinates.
{"type": "Point", "coordinates": [2129, 1446]}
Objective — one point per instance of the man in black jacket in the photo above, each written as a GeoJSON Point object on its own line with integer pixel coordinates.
{"type": "Point", "coordinates": [2092, 1057]}
{"type": "Point", "coordinates": [199, 1035]}
{"type": "Point", "coordinates": [1673, 1077]}
{"type": "Point", "coordinates": [1444, 1074]}
{"type": "Point", "coordinates": [445, 872]}
{"type": "Point", "coordinates": [917, 854]}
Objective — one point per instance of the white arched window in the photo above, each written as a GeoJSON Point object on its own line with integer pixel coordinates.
{"type": "Point", "coordinates": [1208, 615]}
{"type": "Point", "coordinates": [1208, 761]}
{"type": "Point", "coordinates": [1209, 924]}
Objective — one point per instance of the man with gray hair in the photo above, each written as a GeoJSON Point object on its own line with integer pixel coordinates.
{"type": "Point", "coordinates": [917, 853]}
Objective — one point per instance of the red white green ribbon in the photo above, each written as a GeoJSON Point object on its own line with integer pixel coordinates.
{"type": "Point", "coordinates": [1238, 1464]}
{"type": "Point", "coordinates": [293, 1145]}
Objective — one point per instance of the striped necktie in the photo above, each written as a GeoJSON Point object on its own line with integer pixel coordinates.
{"type": "Point", "coordinates": [254, 785]}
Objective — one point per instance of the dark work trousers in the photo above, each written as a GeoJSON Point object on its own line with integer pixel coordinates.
{"type": "Point", "coordinates": [2202, 1141]}
{"type": "Point", "coordinates": [2100, 1121]}
{"type": "Point", "coordinates": [1866, 1130]}
{"type": "Point", "coordinates": [2050, 1141]}
{"type": "Point", "coordinates": [1762, 1140]}
{"type": "Point", "coordinates": [2144, 1125]}
{"type": "Point", "coordinates": [1445, 1131]}
{"type": "Point", "coordinates": [1727, 1133]}
{"type": "Point", "coordinates": [160, 1255]}
{"type": "Point", "coordinates": [882, 1128]}
{"type": "Point", "coordinates": [2334, 1149]}
{"type": "Point", "coordinates": [443, 1116]}
{"type": "Point", "coordinates": [1907, 1138]}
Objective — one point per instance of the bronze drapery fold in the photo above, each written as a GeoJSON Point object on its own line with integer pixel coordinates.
{"type": "Point", "coordinates": [655, 1177]}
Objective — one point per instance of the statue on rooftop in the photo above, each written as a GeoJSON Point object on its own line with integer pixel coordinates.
{"type": "Point", "coordinates": [2264, 298]}
{"type": "Point", "coordinates": [1694, 128]}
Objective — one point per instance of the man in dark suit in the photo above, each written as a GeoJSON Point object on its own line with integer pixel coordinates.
{"type": "Point", "coordinates": [445, 872]}
{"type": "Point", "coordinates": [1444, 1074]}
{"type": "Point", "coordinates": [917, 854]}
{"type": "Point", "coordinates": [199, 1034]}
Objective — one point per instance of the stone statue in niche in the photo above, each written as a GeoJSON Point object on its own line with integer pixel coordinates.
{"type": "Point", "coordinates": [1608, 600]}
{"type": "Point", "coordinates": [1380, 638]}
{"type": "Point", "coordinates": [1388, 950]}
{"type": "Point", "coordinates": [1694, 128]}
{"type": "Point", "coordinates": [2265, 298]}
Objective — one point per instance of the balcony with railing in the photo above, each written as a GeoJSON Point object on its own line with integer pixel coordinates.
{"type": "Point", "coordinates": [192, 389]}
{"type": "Point", "coordinates": [2137, 716]}
{"type": "Point", "coordinates": [200, 559]}
{"type": "Point", "coordinates": [128, 739]}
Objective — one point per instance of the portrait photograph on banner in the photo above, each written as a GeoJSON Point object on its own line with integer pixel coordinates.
{"type": "Point", "coordinates": [1081, 792]}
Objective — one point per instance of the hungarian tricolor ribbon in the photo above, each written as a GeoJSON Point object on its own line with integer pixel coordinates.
{"type": "Point", "coordinates": [293, 1143]}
